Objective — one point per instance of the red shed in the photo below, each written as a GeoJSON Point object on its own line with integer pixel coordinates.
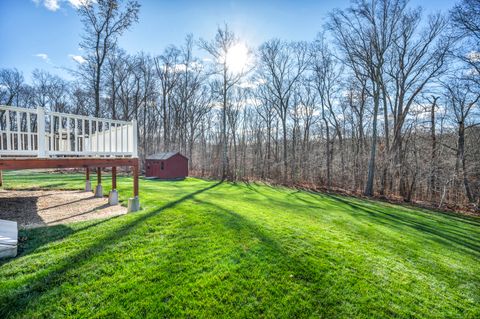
{"type": "Point", "coordinates": [168, 165]}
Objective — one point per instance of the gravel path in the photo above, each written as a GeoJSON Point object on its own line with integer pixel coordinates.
{"type": "Point", "coordinates": [40, 208]}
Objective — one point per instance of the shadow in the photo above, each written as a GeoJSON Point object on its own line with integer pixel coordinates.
{"type": "Point", "coordinates": [429, 225]}
{"type": "Point", "coordinates": [282, 260]}
{"type": "Point", "coordinates": [448, 235]}
{"type": "Point", "coordinates": [83, 213]}
{"type": "Point", "coordinates": [19, 300]}
{"type": "Point", "coordinates": [23, 210]}
{"type": "Point", "coordinates": [34, 238]}
{"type": "Point", "coordinates": [69, 203]}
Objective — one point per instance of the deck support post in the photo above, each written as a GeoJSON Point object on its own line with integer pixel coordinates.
{"type": "Point", "coordinates": [1, 178]}
{"type": "Point", "coordinates": [134, 202]}
{"type": "Point", "coordinates": [99, 189]}
{"type": "Point", "coordinates": [113, 195]}
{"type": "Point", "coordinates": [88, 183]}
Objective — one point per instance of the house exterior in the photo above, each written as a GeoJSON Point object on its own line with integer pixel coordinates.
{"type": "Point", "coordinates": [167, 165]}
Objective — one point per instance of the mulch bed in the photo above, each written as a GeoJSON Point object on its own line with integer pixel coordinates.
{"type": "Point", "coordinates": [49, 207]}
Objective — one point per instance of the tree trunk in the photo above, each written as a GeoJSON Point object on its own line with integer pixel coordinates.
{"type": "Point", "coordinates": [387, 143]}
{"type": "Point", "coordinates": [328, 152]}
{"type": "Point", "coordinates": [433, 154]}
{"type": "Point", "coordinates": [285, 145]}
{"type": "Point", "coordinates": [373, 149]}
{"type": "Point", "coordinates": [97, 91]}
{"type": "Point", "coordinates": [224, 127]}
{"type": "Point", "coordinates": [461, 159]}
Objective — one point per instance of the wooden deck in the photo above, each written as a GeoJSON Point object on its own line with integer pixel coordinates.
{"type": "Point", "coordinates": [41, 139]}
{"type": "Point", "coordinates": [14, 163]}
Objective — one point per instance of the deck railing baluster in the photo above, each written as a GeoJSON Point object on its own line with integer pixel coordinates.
{"type": "Point", "coordinates": [75, 134]}
{"type": "Point", "coordinates": [110, 137]}
{"type": "Point", "coordinates": [52, 133]}
{"type": "Point", "coordinates": [90, 134]}
{"type": "Point", "coordinates": [97, 132]}
{"type": "Point", "coordinates": [69, 142]}
{"type": "Point", "coordinates": [18, 134]}
{"type": "Point", "coordinates": [29, 132]}
{"type": "Point", "coordinates": [104, 133]}
{"type": "Point", "coordinates": [9, 142]}
{"type": "Point", "coordinates": [121, 137]}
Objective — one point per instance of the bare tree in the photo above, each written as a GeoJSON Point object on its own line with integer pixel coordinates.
{"type": "Point", "coordinates": [462, 99]}
{"type": "Point", "coordinates": [326, 74]}
{"type": "Point", "coordinates": [195, 96]}
{"type": "Point", "coordinates": [365, 32]}
{"type": "Point", "coordinates": [103, 21]}
{"type": "Point", "coordinates": [219, 48]}
{"type": "Point", "coordinates": [168, 75]}
{"type": "Point", "coordinates": [466, 20]}
{"type": "Point", "coordinates": [281, 65]}
{"type": "Point", "coordinates": [11, 81]}
{"type": "Point", "coordinates": [415, 62]}
{"type": "Point", "coordinates": [50, 91]}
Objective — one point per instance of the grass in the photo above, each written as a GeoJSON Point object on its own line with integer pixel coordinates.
{"type": "Point", "coordinates": [207, 249]}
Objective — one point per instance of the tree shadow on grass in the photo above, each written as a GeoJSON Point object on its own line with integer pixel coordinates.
{"type": "Point", "coordinates": [18, 301]}
{"type": "Point", "coordinates": [32, 239]}
{"type": "Point", "coordinates": [325, 281]}
{"type": "Point", "coordinates": [423, 219]}
{"type": "Point", "coordinates": [466, 219]}
{"type": "Point", "coordinates": [448, 235]}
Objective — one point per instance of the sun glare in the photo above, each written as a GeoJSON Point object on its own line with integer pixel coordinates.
{"type": "Point", "coordinates": [238, 58]}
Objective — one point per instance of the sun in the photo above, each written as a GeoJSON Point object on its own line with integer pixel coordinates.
{"type": "Point", "coordinates": [237, 58]}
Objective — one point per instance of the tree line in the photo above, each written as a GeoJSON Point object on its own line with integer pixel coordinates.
{"type": "Point", "coordinates": [384, 101]}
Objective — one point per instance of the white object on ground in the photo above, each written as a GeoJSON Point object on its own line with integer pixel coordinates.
{"type": "Point", "coordinates": [8, 238]}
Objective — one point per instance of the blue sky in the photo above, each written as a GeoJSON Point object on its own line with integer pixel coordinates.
{"type": "Point", "coordinates": [45, 33]}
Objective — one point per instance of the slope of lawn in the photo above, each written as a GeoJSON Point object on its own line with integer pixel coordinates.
{"type": "Point", "coordinates": [207, 249]}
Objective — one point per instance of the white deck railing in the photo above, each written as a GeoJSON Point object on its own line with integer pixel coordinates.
{"type": "Point", "coordinates": [40, 133]}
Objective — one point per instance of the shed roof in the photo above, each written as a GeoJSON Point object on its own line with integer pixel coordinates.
{"type": "Point", "coordinates": [163, 155]}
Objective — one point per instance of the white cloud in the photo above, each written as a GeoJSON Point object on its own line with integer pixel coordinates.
{"type": "Point", "coordinates": [51, 5]}
{"type": "Point", "coordinates": [54, 5]}
{"type": "Point", "coordinates": [43, 56]}
{"type": "Point", "coordinates": [77, 58]}
{"type": "Point", "coordinates": [75, 3]}
{"type": "Point", "coordinates": [78, 3]}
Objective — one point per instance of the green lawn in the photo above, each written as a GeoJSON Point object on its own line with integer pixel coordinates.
{"type": "Point", "coordinates": [207, 249]}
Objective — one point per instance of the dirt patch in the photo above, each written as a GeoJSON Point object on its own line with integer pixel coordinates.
{"type": "Point", "coordinates": [47, 207]}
